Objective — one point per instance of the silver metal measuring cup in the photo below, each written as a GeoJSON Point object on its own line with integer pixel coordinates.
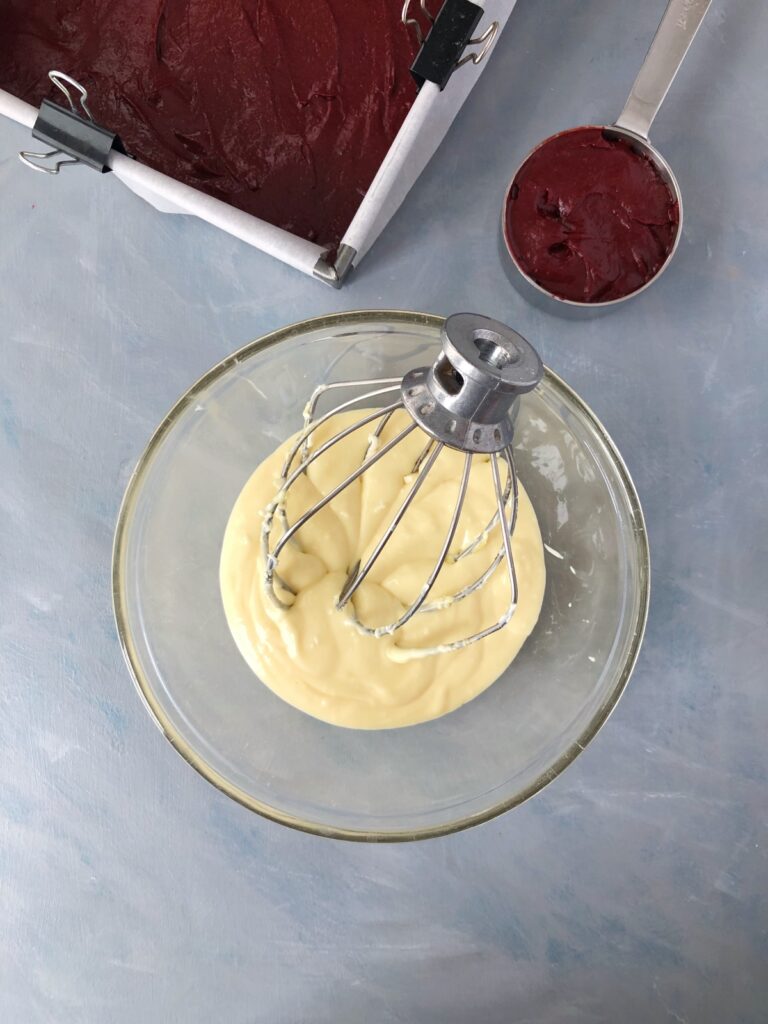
{"type": "Point", "coordinates": [674, 36]}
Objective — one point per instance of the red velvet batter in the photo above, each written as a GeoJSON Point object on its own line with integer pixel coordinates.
{"type": "Point", "coordinates": [589, 218]}
{"type": "Point", "coordinates": [283, 108]}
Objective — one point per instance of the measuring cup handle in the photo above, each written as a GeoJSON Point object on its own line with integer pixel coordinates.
{"type": "Point", "coordinates": [670, 44]}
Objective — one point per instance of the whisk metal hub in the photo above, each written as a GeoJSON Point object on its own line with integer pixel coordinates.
{"type": "Point", "coordinates": [468, 398]}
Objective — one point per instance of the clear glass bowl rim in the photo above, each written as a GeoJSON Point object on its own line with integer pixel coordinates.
{"type": "Point", "coordinates": [350, 318]}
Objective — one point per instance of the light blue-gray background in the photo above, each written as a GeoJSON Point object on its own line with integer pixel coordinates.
{"type": "Point", "coordinates": [633, 890]}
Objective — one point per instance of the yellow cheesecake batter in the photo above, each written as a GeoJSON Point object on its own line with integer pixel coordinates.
{"type": "Point", "coordinates": [312, 655]}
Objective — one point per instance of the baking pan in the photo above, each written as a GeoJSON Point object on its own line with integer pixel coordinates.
{"type": "Point", "coordinates": [422, 131]}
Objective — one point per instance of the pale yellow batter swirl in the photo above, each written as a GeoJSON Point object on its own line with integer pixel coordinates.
{"type": "Point", "coordinates": [311, 654]}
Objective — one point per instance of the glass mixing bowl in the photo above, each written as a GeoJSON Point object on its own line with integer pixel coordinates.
{"type": "Point", "coordinates": [398, 784]}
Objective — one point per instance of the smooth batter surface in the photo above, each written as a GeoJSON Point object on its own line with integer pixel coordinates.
{"type": "Point", "coordinates": [589, 218]}
{"type": "Point", "coordinates": [282, 108]}
{"type": "Point", "coordinates": [312, 655]}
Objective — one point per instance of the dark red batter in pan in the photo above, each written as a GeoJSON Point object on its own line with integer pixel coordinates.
{"type": "Point", "coordinates": [589, 218]}
{"type": "Point", "coordinates": [283, 108]}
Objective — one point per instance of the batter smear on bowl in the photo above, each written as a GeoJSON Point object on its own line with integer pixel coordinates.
{"type": "Point", "coordinates": [589, 218]}
{"type": "Point", "coordinates": [282, 108]}
{"type": "Point", "coordinates": [311, 654]}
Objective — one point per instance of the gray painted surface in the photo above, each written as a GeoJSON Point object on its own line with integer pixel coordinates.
{"type": "Point", "coordinates": [634, 888]}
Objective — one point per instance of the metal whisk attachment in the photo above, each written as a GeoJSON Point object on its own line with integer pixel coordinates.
{"type": "Point", "coordinates": [467, 400]}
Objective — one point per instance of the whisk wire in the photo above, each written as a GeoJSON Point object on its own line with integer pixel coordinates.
{"type": "Point", "coordinates": [470, 588]}
{"type": "Point", "coordinates": [312, 425]}
{"type": "Point", "coordinates": [485, 533]}
{"type": "Point", "coordinates": [506, 534]}
{"type": "Point", "coordinates": [445, 548]}
{"type": "Point", "coordinates": [358, 574]}
{"type": "Point", "coordinates": [289, 534]}
{"type": "Point", "coordinates": [271, 558]}
{"type": "Point", "coordinates": [508, 529]}
{"type": "Point", "coordinates": [413, 608]}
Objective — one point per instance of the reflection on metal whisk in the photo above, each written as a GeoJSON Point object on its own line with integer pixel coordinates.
{"type": "Point", "coordinates": [466, 400]}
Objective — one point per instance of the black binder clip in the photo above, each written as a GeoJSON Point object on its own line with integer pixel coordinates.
{"type": "Point", "coordinates": [76, 138]}
{"type": "Point", "coordinates": [451, 31]}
